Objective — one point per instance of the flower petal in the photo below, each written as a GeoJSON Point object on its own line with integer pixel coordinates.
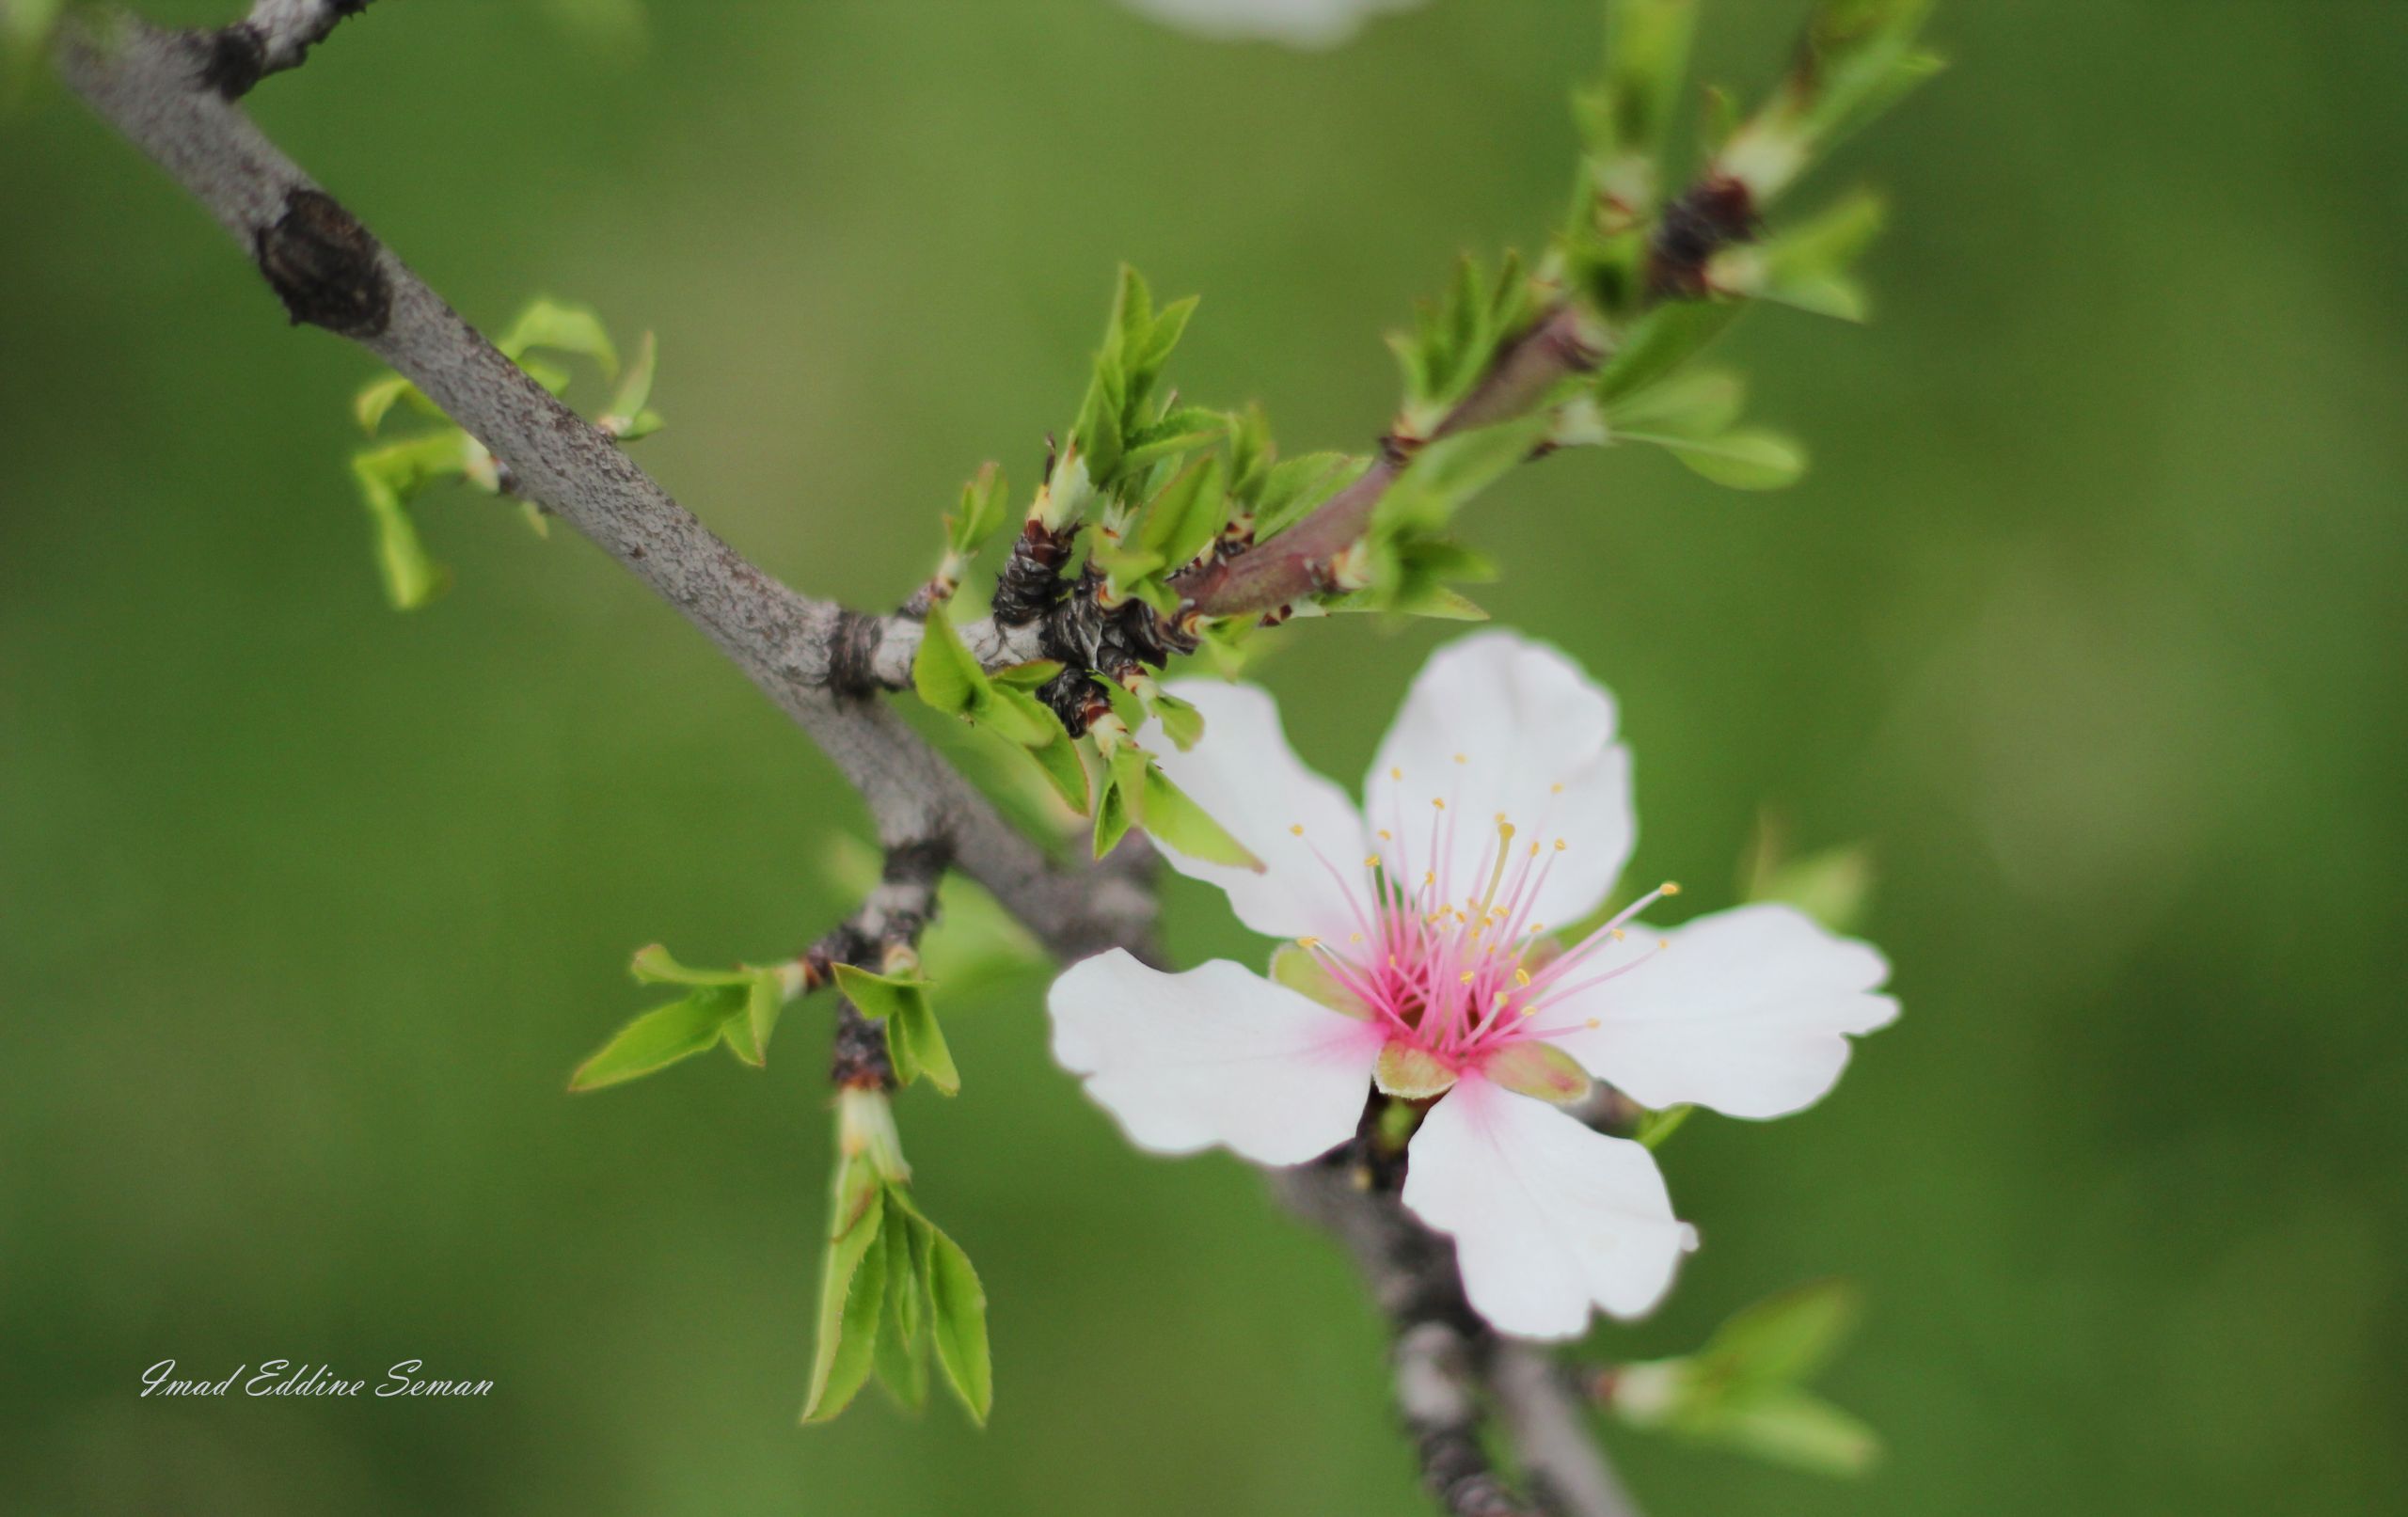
{"type": "Point", "coordinates": [1301, 23]}
{"type": "Point", "coordinates": [1244, 774]}
{"type": "Point", "coordinates": [1548, 1216]}
{"type": "Point", "coordinates": [1535, 741]}
{"type": "Point", "coordinates": [1217, 1054]}
{"type": "Point", "coordinates": [1747, 1012]}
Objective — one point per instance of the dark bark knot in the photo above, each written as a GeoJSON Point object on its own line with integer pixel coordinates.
{"type": "Point", "coordinates": [852, 646]}
{"type": "Point", "coordinates": [325, 267]}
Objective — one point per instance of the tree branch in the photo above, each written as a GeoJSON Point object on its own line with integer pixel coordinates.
{"type": "Point", "coordinates": [1297, 562]}
{"type": "Point", "coordinates": [169, 93]}
{"type": "Point", "coordinates": [331, 271]}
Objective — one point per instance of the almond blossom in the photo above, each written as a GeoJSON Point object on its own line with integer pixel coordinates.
{"type": "Point", "coordinates": [1423, 960]}
{"type": "Point", "coordinates": [1303, 24]}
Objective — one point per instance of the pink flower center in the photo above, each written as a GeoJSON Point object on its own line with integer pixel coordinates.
{"type": "Point", "coordinates": [1457, 968]}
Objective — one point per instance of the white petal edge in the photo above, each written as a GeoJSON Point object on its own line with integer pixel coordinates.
{"type": "Point", "coordinates": [1523, 720]}
{"type": "Point", "coordinates": [1245, 775]}
{"type": "Point", "coordinates": [1549, 1217]}
{"type": "Point", "coordinates": [1215, 1055]}
{"type": "Point", "coordinates": [1300, 24]}
{"type": "Point", "coordinates": [1748, 1012]}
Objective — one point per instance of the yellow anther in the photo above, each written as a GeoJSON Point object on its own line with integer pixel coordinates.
{"type": "Point", "coordinates": [1560, 845]}
{"type": "Point", "coordinates": [1460, 759]}
{"type": "Point", "coordinates": [1537, 927]}
{"type": "Point", "coordinates": [1555, 789]}
{"type": "Point", "coordinates": [1396, 774]}
{"type": "Point", "coordinates": [1500, 818]}
{"type": "Point", "coordinates": [1384, 836]}
{"type": "Point", "coordinates": [1534, 850]}
{"type": "Point", "coordinates": [1531, 1010]}
{"type": "Point", "coordinates": [1522, 978]}
{"type": "Point", "coordinates": [1308, 942]}
{"type": "Point", "coordinates": [1498, 1001]}
{"type": "Point", "coordinates": [1438, 802]}
{"type": "Point", "coordinates": [1297, 830]}
{"type": "Point", "coordinates": [1662, 943]}
{"type": "Point", "coordinates": [1671, 889]}
{"type": "Point", "coordinates": [1430, 877]}
{"type": "Point", "coordinates": [1468, 977]}
{"type": "Point", "coordinates": [1354, 936]}
{"type": "Point", "coordinates": [1594, 1025]}
{"type": "Point", "coordinates": [1372, 863]}
{"type": "Point", "coordinates": [1620, 935]}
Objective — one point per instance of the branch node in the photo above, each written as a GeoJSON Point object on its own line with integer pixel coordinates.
{"type": "Point", "coordinates": [326, 266]}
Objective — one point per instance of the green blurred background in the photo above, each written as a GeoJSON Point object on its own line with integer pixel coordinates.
{"type": "Point", "coordinates": [2090, 620]}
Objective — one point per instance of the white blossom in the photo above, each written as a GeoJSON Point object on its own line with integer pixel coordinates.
{"type": "Point", "coordinates": [1422, 958]}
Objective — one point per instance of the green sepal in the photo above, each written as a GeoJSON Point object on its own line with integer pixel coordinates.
{"type": "Point", "coordinates": [914, 1042]}
{"type": "Point", "coordinates": [1539, 1069]}
{"type": "Point", "coordinates": [1298, 968]}
{"type": "Point", "coordinates": [853, 1293]}
{"type": "Point", "coordinates": [1411, 1074]}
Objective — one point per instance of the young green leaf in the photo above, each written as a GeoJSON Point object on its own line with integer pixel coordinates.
{"type": "Point", "coordinates": [1173, 818]}
{"type": "Point", "coordinates": [1180, 721]}
{"type": "Point", "coordinates": [901, 1361]}
{"type": "Point", "coordinates": [942, 671]}
{"type": "Point", "coordinates": [1058, 760]}
{"type": "Point", "coordinates": [630, 415]}
{"type": "Point", "coordinates": [1796, 1429]}
{"type": "Point", "coordinates": [1784, 1339]}
{"type": "Point", "coordinates": [1745, 460]}
{"type": "Point", "coordinates": [561, 328]}
{"type": "Point", "coordinates": [1111, 814]}
{"type": "Point", "coordinates": [853, 1293]}
{"type": "Point", "coordinates": [652, 965]}
{"type": "Point", "coordinates": [1183, 520]}
{"type": "Point", "coordinates": [913, 1040]}
{"type": "Point", "coordinates": [763, 999]}
{"type": "Point", "coordinates": [957, 1305]}
{"type": "Point", "coordinates": [659, 1038]}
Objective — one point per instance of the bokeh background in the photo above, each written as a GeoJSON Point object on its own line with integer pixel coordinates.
{"type": "Point", "coordinates": [2089, 622]}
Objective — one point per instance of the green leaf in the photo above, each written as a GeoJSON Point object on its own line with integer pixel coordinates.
{"type": "Point", "coordinates": [1016, 717]}
{"type": "Point", "coordinates": [659, 1038]}
{"type": "Point", "coordinates": [412, 580]}
{"type": "Point", "coordinates": [1784, 1339]}
{"type": "Point", "coordinates": [1799, 1430]}
{"type": "Point", "coordinates": [1655, 1127]}
{"type": "Point", "coordinates": [1173, 818]}
{"type": "Point", "coordinates": [1111, 817]}
{"type": "Point", "coordinates": [1293, 487]}
{"type": "Point", "coordinates": [1664, 339]}
{"type": "Point", "coordinates": [1059, 761]}
{"type": "Point", "coordinates": [1183, 520]}
{"type": "Point", "coordinates": [1447, 473]}
{"type": "Point", "coordinates": [380, 396]}
{"type": "Point", "coordinates": [561, 328]}
{"type": "Point", "coordinates": [1029, 676]}
{"type": "Point", "coordinates": [986, 502]}
{"type": "Point", "coordinates": [1741, 460]}
{"type": "Point", "coordinates": [958, 1306]}
{"type": "Point", "coordinates": [901, 1361]}
{"type": "Point", "coordinates": [1180, 721]}
{"type": "Point", "coordinates": [942, 671]}
{"type": "Point", "coordinates": [763, 999]}
{"type": "Point", "coordinates": [652, 965]}
{"type": "Point", "coordinates": [913, 1040]}
{"type": "Point", "coordinates": [1647, 46]}
{"type": "Point", "coordinates": [630, 415]}
{"type": "Point", "coordinates": [1699, 404]}
{"type": "Point", "coordinates": [853, 1293]}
